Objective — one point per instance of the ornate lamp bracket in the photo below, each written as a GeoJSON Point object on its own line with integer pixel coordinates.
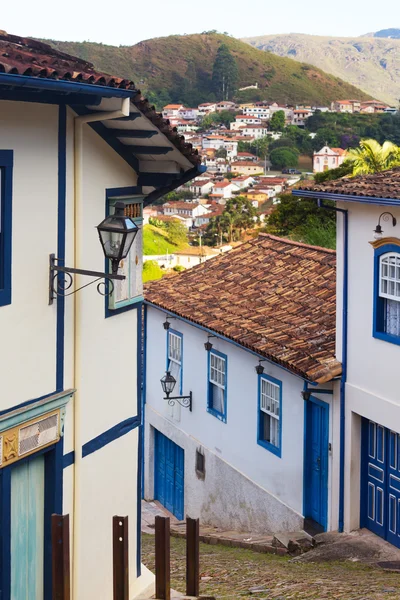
{"type": "Point", "coordinates": [61, 280]}
{"type": "Point", "coordinates": [184, 401]}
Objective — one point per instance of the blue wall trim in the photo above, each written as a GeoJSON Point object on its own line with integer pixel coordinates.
{"type": "Point", "coordinates": [378, 329]}
{"type": "Point", "coordinates": [225, 339]}
{"type": "Point", "coordinates": [5, 538]}
{"type": "Point", "coordinates": [139, 391]}
{"type": "Point", "coordinates": [68, 459]}
{"type": "Point", "coordinates": [6, 163]}
{"type": "Point", "coordinates": [267, 445]}
{"type": "Point", "coordinates": [110, 436]}
{"type": "Point", "coordinates": [62, 183]}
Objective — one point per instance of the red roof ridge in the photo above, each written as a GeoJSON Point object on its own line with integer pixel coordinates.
{"type": "Point", "coordinates": [295, 243]}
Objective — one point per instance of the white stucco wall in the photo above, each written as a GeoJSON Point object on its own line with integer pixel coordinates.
{"type": "Point", "coordinates": [100, 354]}
{"type": "Point", "coordinates": [372, 373]}
{"type": "Point", "coordinates": [246, 486]}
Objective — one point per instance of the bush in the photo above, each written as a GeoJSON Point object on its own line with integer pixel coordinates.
{"type": "Point", "coordinates": [282, 158]}
{"type": "Point", "coordinates": [179, 268]}
{"type": "Point", "coordinates": [151, 271]}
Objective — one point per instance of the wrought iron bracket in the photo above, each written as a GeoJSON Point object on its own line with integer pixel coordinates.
{"type": "Point", "coordinates": [59, 284]}
{"type": "Point", "coordinates": [184, 401]}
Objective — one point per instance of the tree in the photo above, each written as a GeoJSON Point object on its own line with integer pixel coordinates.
{"type": "Point", "coordinates": [151, 271]}
{"type": "Point", "coordinates": [238, 216]}
{"type": "Point", "coordinates": [345, 169]}
{"type": "Point", "coordinates": [371, 157]}
{"type": "Point", "coordinates": [277, 121]}
{"type": "Point", "coordinates": [301, 219]}
{"type": "Point", "coordinates": [225, 74]}
{"type": "Point", "coordinates": [282, 158]}
{"type": "Point", "coordinates": [221, 153]}
{"type": "Point", "coordinates": [177, 232]}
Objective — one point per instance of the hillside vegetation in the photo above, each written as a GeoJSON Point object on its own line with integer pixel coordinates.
{"type": "Point", "coordinates": [155, 241]}
{"type": "Point", "coordinates": [369, 63]}
{"type": "Point", "coordinates": [179, 69]}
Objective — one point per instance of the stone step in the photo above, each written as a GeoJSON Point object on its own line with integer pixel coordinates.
{"type": "Point", "coordinates": [295, 542]}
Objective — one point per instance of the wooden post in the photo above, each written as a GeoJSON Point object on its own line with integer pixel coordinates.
{"type": "Point", "coordinates": [60, 557]}
{"type": "Point", "coordinates": [120, 558]}
{"type": "Point", "coordinates": [192, 557]}
{"type": "Point", "coordinates": [163, 568]}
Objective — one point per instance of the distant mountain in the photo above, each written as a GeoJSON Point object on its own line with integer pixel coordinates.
{"type": "Point", "coordinates": [179, 69]}
{"type": "Point", "coordinates": [370, 63]}
{"type": "Point", "coordinates": [392, 33]}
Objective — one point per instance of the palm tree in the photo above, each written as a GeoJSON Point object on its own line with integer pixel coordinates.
{"type": "Point", "coordinates": [371, 157]}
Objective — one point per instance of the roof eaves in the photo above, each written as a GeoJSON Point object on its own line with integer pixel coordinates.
{"type": "Point", "coordinates": [320, 195]}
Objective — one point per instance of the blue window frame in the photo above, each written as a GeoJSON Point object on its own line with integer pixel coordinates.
{"type": "Point", "coordinates": [129, 292]}
{"type": "Point", "coordinates": [175, 356]}
{"type": "Point", "coordinates": [217, 384]}
{"type": "Point", "coordinates": [386, 320]}
{"type": "Point", "coordinates": [269, 434]}
{"type": "Point", "coordinates": [6, 167]}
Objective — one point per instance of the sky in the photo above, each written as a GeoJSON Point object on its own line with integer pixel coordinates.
{"type": "Point", "coordinates": [129, 21]}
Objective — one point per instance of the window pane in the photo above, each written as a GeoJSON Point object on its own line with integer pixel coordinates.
{"type": "Point", "coordinates": [392, 321]}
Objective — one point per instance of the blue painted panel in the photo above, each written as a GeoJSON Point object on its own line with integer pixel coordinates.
{"type": "Point", "coordinates": [380, 483]}
{"type": "Point", "coordinates": [316, 461]}
{"type": "Point", "coordinates": [169, 469]}
{"type": "Point", "coordinates": [27, 530]}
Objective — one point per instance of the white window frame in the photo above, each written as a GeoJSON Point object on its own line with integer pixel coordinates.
{"type": "Point", "coordinates": [217, 376]}
{"type": "Point", "coordinates": [385, 279]}
{"type": "Point", "coordinates": [177, 340]}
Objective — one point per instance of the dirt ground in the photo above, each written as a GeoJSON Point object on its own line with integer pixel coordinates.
{"type": "Point", "coordinates": [229, 573]}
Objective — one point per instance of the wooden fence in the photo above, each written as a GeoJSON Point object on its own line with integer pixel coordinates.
{"type": "Point", "coordinates": [61, 558]}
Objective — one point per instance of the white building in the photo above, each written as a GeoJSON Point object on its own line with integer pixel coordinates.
{"type": "Point", "coordinates": [189, 114]}
{"type": "Point", "coordinates": [328, 158]}
{"type": "Point", "coordinates": [300, 116]}
{"type": "Point", "coordinates": [201, 187]}
{"type": "Point", "coordinates": [217, 142]}
{"type": "Point", "coordinates": [244, 120]}
{"type": "Point", "coordinates": [187, 210]}
{"type": "Point", "coordinates": [172, 111]}
{"type": "Point", "coordinates": [368, 343]}
{"type": "Point", "coordinates": [262, 112]}
{"type": "Point", "coordinates": [254, 131]}
{"type": "Point", "coordinates": [70, 401]}
{"type": "Point", "coordinates": [206, 108]}
{"type": "Point", "coordinates": [243, 457]}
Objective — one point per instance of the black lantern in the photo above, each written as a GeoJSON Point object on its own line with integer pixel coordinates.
{"type": "Point", "coordinates": [386, 216]}
{"type": "Point", "coordinates": [117, 233]}
{"type": "Point", "coordinates": [259, 368]}
{"type": "Point", "coordinates": [168, 383]}
{"type": "Point", "coordinates": [208, 345]}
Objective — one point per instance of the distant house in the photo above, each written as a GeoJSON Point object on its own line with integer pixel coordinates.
{"type": "Point", "coordinates": [201, 187]}
{"type": "Point", "coordinates": [217, 142]}
{"type": "Point", "coordinates": [247, 168]}
{"type": "Point", "coordinates": [187, 210]}
{"type": "Point", "coordinates": [226, 105]}
{"type": "Point", "coordinates": [300, 115]}
{"type": "Point", "coordinates": [245, 120]}
{"type": "Point", "coordinates": [373, 106]}
{"type": "Point", "coordinates": [183, 126]}
{"type": "Point", "coordinates": [206, 108]}
{"type": "Point", "coordinates": [346, 106]}
{"type": "Point", "coordinates": [243, 181]}
{"type": "Point", "coordinates": [328, 158]}
{"type": "Point", "coordinates": [171, 111]}
{"type": "Point", "coordinates": [246, 156]}
{"type": "Point", "coordinates": [255, 131]}
{"type": "Point", "coordinates": [188, 114]}
{"type": "Point", "coordinates": [223, 190]}
{"type": "Point", "coordinates": [261, 112]}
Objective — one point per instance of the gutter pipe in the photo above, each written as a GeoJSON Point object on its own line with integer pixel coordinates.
{"type": "Point", "coordinates": [79, 121]}
{"type": "Point", "coordinates": [344, 356]}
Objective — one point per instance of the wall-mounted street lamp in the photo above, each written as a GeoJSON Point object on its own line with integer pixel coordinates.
{"type": "Point", "coordinates": [208, 345]}
{"type": "Point", "coordinates": [166, 323]}
{"type": "Point", "coordinates": [259, 368]}
{"type": "Point", "coordinates": [117, 234]}
{"type": "Point", "coordinates": [386, 216]}
{"type": "Point", "coordinates": [168, 383]}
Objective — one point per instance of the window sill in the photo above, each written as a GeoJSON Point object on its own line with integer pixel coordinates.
{"type": "Point", "coordinates": [270, 447]}
{"type": "Point", "coordinates": [216, 414]}
{"type": "Point", "coordinates": [387, 337]}
{"type": "Point", "coordinates": [125, 306]}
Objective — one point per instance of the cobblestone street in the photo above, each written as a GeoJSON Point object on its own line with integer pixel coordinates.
{"type": "Point", "coordinates": [229, 573]}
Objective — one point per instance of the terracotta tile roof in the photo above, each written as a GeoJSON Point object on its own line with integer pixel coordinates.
{"type": "Point", "coordinates": [273, 296]}
{"type": "Point", "coordinates": [181, 205]}
{"type": "Point", "coordinates": [339, 151]}
{"type": "Point", "coordinates": [385, 184]}
{"type": "Point", "coordinates": [31, 58]}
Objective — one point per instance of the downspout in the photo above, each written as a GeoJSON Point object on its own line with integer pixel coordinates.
{"type": "Point", "coordinates": [79, 121]}
{"type": "Point", "coordinates": [344, 357]}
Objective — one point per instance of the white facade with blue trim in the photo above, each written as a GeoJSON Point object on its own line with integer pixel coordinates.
{"type": "Point", "coordinates": [70, 402]}
{"type": "Point", "coordinates": [368, 328]}
{"type": "Point", "coordinates": [267, 456]}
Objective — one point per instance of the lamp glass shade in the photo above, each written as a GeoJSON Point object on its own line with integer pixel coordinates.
{"type": "Point", "coordinates": [117, 233]}
{"type": "Point", "coordinates": [168, 383]}
{"type": "Point", "coordinates": [208, 346]}
{"type": "Point", "coordinates": [259, 369]}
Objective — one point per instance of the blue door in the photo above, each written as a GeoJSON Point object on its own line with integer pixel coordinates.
{"type": "Point", "coordinates": [316, 461]}
{"type": "Point", "coordinates": [27, 530]}
{"type": "Point", "coordinates": [380, 483]}
{"type": "Point", "coordinates": [169, 469]}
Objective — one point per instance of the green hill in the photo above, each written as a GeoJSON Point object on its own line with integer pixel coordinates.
{"type": "Point", "coordinates": [370, 63]}
{"type": "Point", "coordinates": [179, 68]}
